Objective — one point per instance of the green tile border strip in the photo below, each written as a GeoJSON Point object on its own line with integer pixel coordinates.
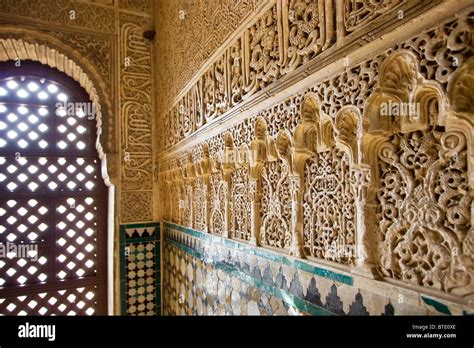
{"type": "Point", "coordinates": [123, 242]}
{"type": "Point", "coordinates": [288, 298]}
{"type": "Point", "coordinates": [440, 307]}
{"type": "Point", "coordinates": [267, 254]}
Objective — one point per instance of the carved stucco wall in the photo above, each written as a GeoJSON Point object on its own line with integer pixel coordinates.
{"type": "Point", "coordinates": [136, 107]}
{"type": "Point", "coordinates": [104, 38]}
{"type": "Point", "coordinates": [280, 142]}
{"type": "Point", "coordinates": [188, 33]}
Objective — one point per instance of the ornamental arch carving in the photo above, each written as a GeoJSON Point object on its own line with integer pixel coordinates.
{"type": "Point", "coordinates": [422, 194]}
{"type": "Point", "coordinates": [22, 44]}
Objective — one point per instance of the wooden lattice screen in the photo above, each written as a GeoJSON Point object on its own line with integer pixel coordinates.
{"type": "Point", "coordinates": [52, 197]}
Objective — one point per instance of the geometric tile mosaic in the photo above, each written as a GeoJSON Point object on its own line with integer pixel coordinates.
{"type": "Point", "coordinates": [205, 274]}
{"type": "Point", "coordinates": [140, 269]}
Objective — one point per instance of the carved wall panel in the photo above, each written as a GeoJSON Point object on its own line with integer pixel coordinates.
{"type": "Point", "coordinates": [262, 47]}
{"type": "Point", "coordinates": [424, 210]}
{"type": "Point", "coordinates": [308, 29]}
{"type": "Point", "coordinates": [166, 191]}
{"type": "Point", "coordinates": [186, 208]}
{"type": "Point", "coordinates": [217, 198]}
{"type": "Point", "coordinates": [370, 168]}
{"type": "Point", "coordinates": [359, 13]}
{"type": "Point", "coordinates": [289, 35]}
{"type": "Point", "coordinates": [275, 227]}
{"type": "Point", "coordinates": [177, 203]}
{"type": "Point", "coordinates": [329, 207]}
{"type": "Point", "coordinates": [93, 17]}
{"type": "Point", "coordinates": [424, 195]}
{"type": "Point", "coordinates": [136, 110]}
{"type": "Point", "coordinates": [96, 49]}
{"type": "Point", "coordinates": [240, 206]}
{"type": "Point", "coordinates": [144, 6]}
{"type": "Point", "coordinates": [194, 36]}
{"type": "Point", "coordinates": [215, 92]}
{"type": "Point", "coordinates": [137, 206]}
{"type": "Point", "coordinates": [199, 201]}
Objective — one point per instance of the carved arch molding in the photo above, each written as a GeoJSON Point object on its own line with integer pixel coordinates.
{"type": "Point", "coordinates": [22, 44]}
{"type": "Point", "coordinates": [383, 186]}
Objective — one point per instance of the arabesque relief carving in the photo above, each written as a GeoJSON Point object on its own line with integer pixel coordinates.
{"type": "Point", "coordinates": [329, 226]}
{"type": "Point", "coordinates": [287, 36]}
{"type": "Point", "coordinates": [375, 177]}
{"type": "Point", "coordinates": [92, 17]}
{"type": "Point", "coordinates": [136, 115]}
{"type": "Point", "coordinates": [423, 193]}
{"type": "Point", "coordinates": [273, 175]}
{"type": "Point", "coordinates": [194, 37]}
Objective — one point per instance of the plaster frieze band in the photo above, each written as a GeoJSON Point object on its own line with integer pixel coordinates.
{"type": "Point", "coordinates": [278, 51]}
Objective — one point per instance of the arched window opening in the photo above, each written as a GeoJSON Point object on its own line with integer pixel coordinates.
{"type": "Point", "coordinates": [52, 197]}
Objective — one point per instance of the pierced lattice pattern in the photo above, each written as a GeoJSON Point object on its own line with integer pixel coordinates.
{"type": "Point", "coordinates": [78, 301]}
{"type": "Point", "coordinates": [22, 126]}
{"type": "Point", "coordinates": [49, 195]}
{"type": "Point", "coordinates": [75, 247]}
{"type": "Point", "coordinates": [27, 109]}
{"type": "Point", "coordinates": [16, 271]}
{"type": "Point", "coordinates": [23, 220]}
{"type": "Point", "coordinates": [31, 174]}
